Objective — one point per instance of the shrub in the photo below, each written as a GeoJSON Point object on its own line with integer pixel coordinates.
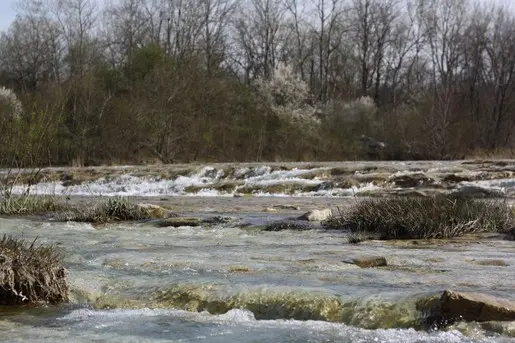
{"type": "Point", "coordinates": [424, 217]}
{"type": "Point", "coordinates": [288, 95]}
{"type": "Point", "coordinates": [30, 273]}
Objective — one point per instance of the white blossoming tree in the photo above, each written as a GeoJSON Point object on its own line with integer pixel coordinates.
{"type": "Point", "coordinates": [287, 95]}
{"type": "Point", "coordinates": [10, 106]}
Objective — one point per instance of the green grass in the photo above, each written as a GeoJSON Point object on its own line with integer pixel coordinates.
{"type": "Point", "coordinates": [30, 273]}
{"type": "Point", "coordinates": [424, 217]}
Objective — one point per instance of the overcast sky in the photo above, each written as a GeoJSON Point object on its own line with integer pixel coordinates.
{"type": "Point", "coordinates": [7, 11]}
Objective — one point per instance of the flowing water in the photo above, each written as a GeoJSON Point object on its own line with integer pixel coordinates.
{"type": "Point", "coordinates": [330, 179]}
{"type": "Point", "coordinates": [135, 282]}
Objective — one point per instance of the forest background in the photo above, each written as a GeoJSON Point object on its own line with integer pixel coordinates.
{"type": "Point", "coordinates": [169, 81]}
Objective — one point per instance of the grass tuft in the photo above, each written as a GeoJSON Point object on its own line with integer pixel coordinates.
{"type": "Point", "coordinates": [424, 217]}
{"type": "Point", "coordinates": [27, 204]}
{"type": "Point", "coordinates": [110, 210]}
{"type": "Point", "coordinates": [30, 273]}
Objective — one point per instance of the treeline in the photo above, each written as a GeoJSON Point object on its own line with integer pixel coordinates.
{"type": "Point", "coordinates": [138, 81]}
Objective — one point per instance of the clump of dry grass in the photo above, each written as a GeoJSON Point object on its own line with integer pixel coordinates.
{"type": "Point", "coordinates": [28, 204]}
{"type": "Point", "coordinates": [30, 273]}
{"type": "Point", "coordinates": [110, 210]}
{"type": "Point", "coordinates": [424, 217]}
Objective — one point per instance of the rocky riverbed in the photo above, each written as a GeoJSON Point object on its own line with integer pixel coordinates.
{"type": "Point", "coordinates": [479, 178]}
{"type": "Point", "coordinates": [224, 277]}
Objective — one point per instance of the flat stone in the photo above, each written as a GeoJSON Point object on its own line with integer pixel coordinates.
{"type": "Point", "coordinates": [469, 306]}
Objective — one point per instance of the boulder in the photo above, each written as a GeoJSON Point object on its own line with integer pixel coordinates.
{"type": "Point", "coordinates": [154, 211]}
{"type": "Point", "coordinates": [317, 215]}
{"type": "Point", "coordinates": [370, 262]}
{"type": "Point", "coordinates": [467, 306]}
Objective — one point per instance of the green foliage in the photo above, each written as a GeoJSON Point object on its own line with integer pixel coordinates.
{"type": "Point", "coordinates": [424, 217]}
{"type": "Point", "coordinates": [30, 273]}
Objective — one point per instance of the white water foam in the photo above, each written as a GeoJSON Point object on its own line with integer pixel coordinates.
{"type": "Point", "coordinates": [129, 185]}
{"type": "Point", "coordinates": [242, 325]}
{"type": "Point", "coordinates": [203, 182]}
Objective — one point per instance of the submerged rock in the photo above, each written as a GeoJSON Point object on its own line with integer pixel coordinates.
{"type": "Point", "coordinates": [287, 207]}
{"type": "Point", "coordinates": [290, 225]}
{"type": "Point", "coordinates": [317, 215]}
{"type": "Point", "coordinates": [324, 186]}
{"type": "Point", "coordinates": [457, 306]}
{"type": "Point", "coordinates": [264, 303]}
{"type": "Point", "coordinates": [456, 178]}
{"type": "Point", "coordinates": [179, 221]}
{"type": "Point", "coordinates": [223, 220]}
{"type": "Point", "coordinates": [412, 180]}
{"type": "Point", "coordinates": [472, 191]}
{"type": "Point", "coordinates": [502, 328]}
{"type": "Point", "coordinates": [370, 262]}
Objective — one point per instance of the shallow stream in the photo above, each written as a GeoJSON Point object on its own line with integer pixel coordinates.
{"type": "Point", "coordinates": [133, 282]}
